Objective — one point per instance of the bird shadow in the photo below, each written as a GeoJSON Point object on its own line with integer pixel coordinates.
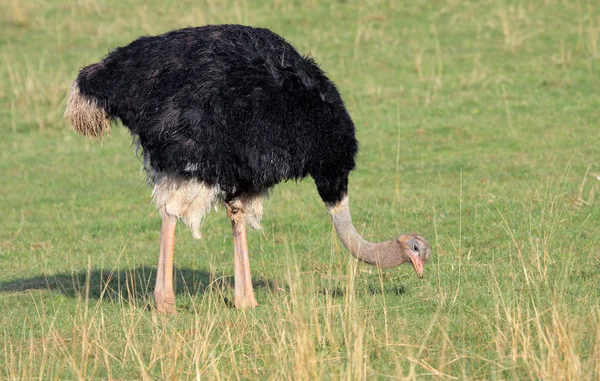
{"type": "Point", "coordinates": [337, 291]}
{"type": "Point", "coordinates": [133, 285]}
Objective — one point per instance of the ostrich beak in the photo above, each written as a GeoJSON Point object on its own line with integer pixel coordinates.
{"type": "Point", "coordinates": [417, 264]}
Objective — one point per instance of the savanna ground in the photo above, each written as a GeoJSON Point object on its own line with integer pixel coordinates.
{"type": "Point", "coordinates": [478, 124]}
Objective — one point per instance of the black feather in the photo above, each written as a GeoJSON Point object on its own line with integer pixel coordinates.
{"type": "Point", "coordinates": [231, 105]}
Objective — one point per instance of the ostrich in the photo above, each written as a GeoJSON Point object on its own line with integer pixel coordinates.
{"type": "Point", "coordinates": [222, 114]}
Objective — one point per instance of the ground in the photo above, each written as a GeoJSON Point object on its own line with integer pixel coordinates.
{"type": "Point", "coordinates": [477, 124]}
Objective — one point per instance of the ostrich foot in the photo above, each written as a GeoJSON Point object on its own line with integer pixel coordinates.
{"type": "Point", "coordinates": [165, 301]}
{"type": "Point", "coordinates": [245, 302]}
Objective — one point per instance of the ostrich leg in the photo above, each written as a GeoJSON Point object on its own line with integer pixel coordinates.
{"type": "Point", "coordinates": [244, 294]}
{"type": "Point", "coordinates": [164, 296]}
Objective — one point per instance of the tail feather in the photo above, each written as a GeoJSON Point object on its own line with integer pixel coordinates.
{"type": "Point", "coordinates": [85, 115]}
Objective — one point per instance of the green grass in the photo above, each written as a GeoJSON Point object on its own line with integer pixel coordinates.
{"type": "Point", "coordinates": [478, 128]}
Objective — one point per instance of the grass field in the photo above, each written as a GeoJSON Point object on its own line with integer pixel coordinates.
{"type": "Point", "coordinates": [478, 128]}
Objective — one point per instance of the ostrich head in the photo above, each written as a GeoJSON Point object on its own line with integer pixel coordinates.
{"type": "Point", "coordinates": [411, 248]}
{"type": "Point", "coordinates": [416, 249]}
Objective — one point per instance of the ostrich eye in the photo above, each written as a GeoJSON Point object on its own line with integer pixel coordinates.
{"type": "Point", "coordinates": [415, 248]}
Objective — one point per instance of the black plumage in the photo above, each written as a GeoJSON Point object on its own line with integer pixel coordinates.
{"type": "Point", "coordinates": [233, 106]}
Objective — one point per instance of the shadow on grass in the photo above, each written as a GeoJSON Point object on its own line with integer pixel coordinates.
{"type": "Point", "coordinates": [133, 285]}
{"type": "Point", "coordinates": [371, 289]}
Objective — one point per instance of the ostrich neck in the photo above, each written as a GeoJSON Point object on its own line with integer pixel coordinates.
{"type": "Point", "coordinates": [385, 254]}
